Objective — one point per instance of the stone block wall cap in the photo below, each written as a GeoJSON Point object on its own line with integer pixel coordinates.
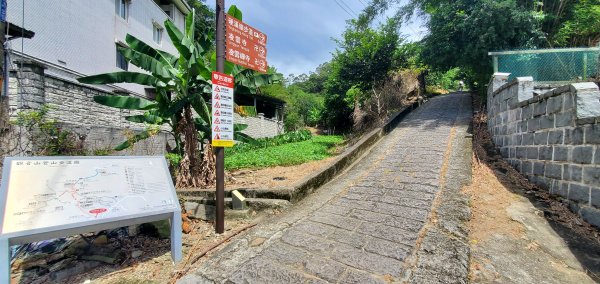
{"type": "Point", "coordinates": [584, 86]}
{"type": "Point", "coordinates": [29, 62]}
{"type": "Point", "coordinates": [500, 74]}
{"type": "Point", "coordinates": [525, 79]}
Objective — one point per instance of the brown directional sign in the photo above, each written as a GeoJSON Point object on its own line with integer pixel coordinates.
{"type": "Point", "coordinates": [245, 45]}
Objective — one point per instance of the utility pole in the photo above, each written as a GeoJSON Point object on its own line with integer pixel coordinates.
{"type": "Point", "coordinates": [219, 151]}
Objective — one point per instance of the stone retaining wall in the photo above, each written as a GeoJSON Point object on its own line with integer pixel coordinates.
{"type": "Point", "coordinates": [553, 138]}
{"type": "Point", "coordinates": [72, 106]}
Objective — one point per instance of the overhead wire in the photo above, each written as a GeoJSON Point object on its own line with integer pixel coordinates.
{"type": "Point", "coordinates": [345, 4]}
{"type": "Point", "coordinates": [347, 12]}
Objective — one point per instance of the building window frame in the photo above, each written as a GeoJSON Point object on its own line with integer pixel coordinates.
{"type": "Point", "coordinates": [157, 33]}
{"type": "Point", "coordinates": [122, 9]}
{"type": "Point", "coordinates": [121, 61]}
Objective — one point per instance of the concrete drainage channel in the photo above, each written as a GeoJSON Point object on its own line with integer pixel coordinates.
{"type": "Point", "coordinates": [199, 203]}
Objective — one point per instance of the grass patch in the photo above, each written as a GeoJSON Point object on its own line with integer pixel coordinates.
{"type": "Point", "coordinates": [317, 148]}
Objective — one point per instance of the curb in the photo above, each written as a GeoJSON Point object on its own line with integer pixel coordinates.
{"type": "Point", "coordinates": [309, 184]}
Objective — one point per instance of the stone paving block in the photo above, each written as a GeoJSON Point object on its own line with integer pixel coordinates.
{"type": "Point", "coordinates": [307, 242]}
{"type": "Point", "coordinates": [405, 223]}
{"type": "Point", "coordinates": [360, 277]}
{"type": "Point", "coordinates": [406, 202]}
{"type": "Point", "coordinates": [337, 210]}
{"type": "Point", "coordinates": [286, 254]}
{"type": "Point", "coordinates": [412, 213]}
{"type": "Point", "coordinates": [410, 194]}
{"type": "Point", "coordinates": [324, 268]}
{"type": "Point", "coordinates": [363, 197]}
{"type": "Point", "coordinates": [354, 239]}
{"type": "Point", "coordinates": [264, 271]}
{"type": "Point", "coordinates": [387, 248]}
{"type": "Point", "coordinates": [369, 216]}
{"type": "Point", "coordinates": [591, 175]}
{"type": "Point", "coordinates": [315, 229]}
{"type": "Point", "coordinates": [389, 233]}
{"type": "Point", "coordinates": [336, 221]}
{"type": "Point", "coordinates": [375, 190]}
{"type": "Point", "coordinates": [367, 261]}
{"type": "Point", "coordinates": [583, 154]}
{"type": "Point", "coordinates": [432, 189]}
{"type": "Point", "coordinates": [354, 204]}
{"type": "Point", "coordinates": [444, 255]}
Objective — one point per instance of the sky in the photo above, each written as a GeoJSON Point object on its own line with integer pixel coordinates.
{"type": "Point", "coordinates": [300, 32]}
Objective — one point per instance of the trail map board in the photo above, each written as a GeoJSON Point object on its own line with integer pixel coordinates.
{"type": "Point", "coordinates": [48, 197]}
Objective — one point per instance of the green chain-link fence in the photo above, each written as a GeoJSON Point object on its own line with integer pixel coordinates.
{"type": "Point", "coordinates": [548, 65]}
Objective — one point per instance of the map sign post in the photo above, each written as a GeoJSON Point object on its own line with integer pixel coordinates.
{"type": "Point", "coordinates": [49, 197]}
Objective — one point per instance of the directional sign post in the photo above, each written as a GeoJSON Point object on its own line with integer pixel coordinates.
{"type": "Point", "coordinates": [246, 45]}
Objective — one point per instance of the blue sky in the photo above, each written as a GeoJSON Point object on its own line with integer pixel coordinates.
{"type": "Point", "coordinates": [300, 32]}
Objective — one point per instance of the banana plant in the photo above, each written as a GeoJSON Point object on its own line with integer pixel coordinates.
{"type": "Point", "coordinates": [182, 84]}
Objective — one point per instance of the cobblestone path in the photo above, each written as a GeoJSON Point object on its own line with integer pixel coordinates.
{"type": "Point", "coordinates": [376, 223]}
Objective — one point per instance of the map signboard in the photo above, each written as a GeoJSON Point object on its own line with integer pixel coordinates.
{"type": "Point", "coordinates": [48, 197]}
{"type": "Point", "coordinates": [245, 45]}
{"type": "Point", "coordinates": [222, 110]}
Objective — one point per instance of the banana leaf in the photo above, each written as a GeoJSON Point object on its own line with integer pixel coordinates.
{"type": "Point", "coordinates": [125, 102]}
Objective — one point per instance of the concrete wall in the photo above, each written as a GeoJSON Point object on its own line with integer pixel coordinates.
{"type": "Point", "coordinates": [81, 35]}
{"type": "Point", "coordinates": [260, 127]}
{"type": "Point", "coordinates": [553, 138]}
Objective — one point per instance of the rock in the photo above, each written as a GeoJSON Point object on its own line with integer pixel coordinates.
{"type": "Point", "coordinates": [136, 253]}
{"type": "Point", "coordinates": [80, 267]}
{"type": "Point", "coordinates": [37, 260]}
{"type": "Point", "coordinates": [133, 230]}
{"type": "Point", "coordinates": [257, 242]}
{"type": "Point", "coordinates": [110, 259]}
{"type": "Point", "coordinates": [77, 246]}
{"type": "Point", "coordinates": [60, 265]}
{"type": "Point", "coordinates": [200, 211]}
{"type": "Point", "coordinates": [100, 240]}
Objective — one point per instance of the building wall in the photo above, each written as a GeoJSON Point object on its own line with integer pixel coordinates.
{"type": "Point", "coordinates": [260, 127]}
{"type": "Point", "coordinates": [81, 35]}
{"type": "Point", "coordinates": [552, 138]}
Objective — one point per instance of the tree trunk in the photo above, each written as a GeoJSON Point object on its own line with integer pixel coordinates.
{"type": "Point", "coordinates": [194, 170]}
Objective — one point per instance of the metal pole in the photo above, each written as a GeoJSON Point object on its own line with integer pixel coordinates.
{"type": "Point", "coordinates": [495, 59]}
{"type": "Point", "coordinates": [585, 67]}
{"type": "Point", "coordinates": [219, 151]}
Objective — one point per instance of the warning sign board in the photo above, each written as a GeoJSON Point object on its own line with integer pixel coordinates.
{"type": "Point", "coordinates": [222, 110]}
{"type": "Point", "coordinates": [245, 45]}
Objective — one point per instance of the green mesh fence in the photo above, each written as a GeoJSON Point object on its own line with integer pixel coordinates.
{"type": "Point", "coordinates": [548, 65]}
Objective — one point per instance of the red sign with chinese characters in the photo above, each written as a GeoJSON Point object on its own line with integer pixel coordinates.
{"type": "Point", "coordinates": [245, 45]}
{"type": "Point", "coordinates": [222, 110]}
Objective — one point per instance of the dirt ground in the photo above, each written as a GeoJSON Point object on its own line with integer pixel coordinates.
{"type": "Point", "coordinates": [518, 232]}
{"type": "Point", "coordinates": [275, 177]}
{"type": "Point", "coordinates": [147, 259]}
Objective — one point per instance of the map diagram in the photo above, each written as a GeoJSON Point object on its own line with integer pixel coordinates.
{"type": "Point", "coordinates": [48, 193]}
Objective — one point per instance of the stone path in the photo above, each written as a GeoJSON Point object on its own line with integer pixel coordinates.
{"type": "Point", "coordinates": [396, 216]}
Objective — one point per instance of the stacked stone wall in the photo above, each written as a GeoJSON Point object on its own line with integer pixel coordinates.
{"type": "Point", "coordinates": [260, 127]}
{"type": "Point", "coordinates": [552, 138]}
{"type": "Point", "coordinates": [72, 107]}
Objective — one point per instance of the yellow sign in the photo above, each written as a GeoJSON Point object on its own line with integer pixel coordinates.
{"type": "Point", "coordinates": [222, 143]}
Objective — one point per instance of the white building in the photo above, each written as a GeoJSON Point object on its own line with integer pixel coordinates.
{"type": "Point", "coordinates": [80, 37]}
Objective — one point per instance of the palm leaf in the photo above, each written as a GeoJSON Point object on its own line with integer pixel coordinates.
{"type": "Point", "coordinates": [177, 38]}
{"type": "Point", "coordinates": [126, 144]}
{"type": "Point", "coordinates": [140, 46]}
{"type": "Point", "coordinates": [235, 12]}
{"type": "Point", "coordinates": [120, 77]}
{"type": "Point", "coordinates": [125, 102]}
{"type": "Point", "coordinates": [145, 62]}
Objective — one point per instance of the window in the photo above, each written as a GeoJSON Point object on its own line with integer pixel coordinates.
{"type": "Point", "coordinates": [121, 61]}
{"type": "Point", "coordinates": [122, 8]}
{"type": "Point", "coordinates": [157, 32]}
